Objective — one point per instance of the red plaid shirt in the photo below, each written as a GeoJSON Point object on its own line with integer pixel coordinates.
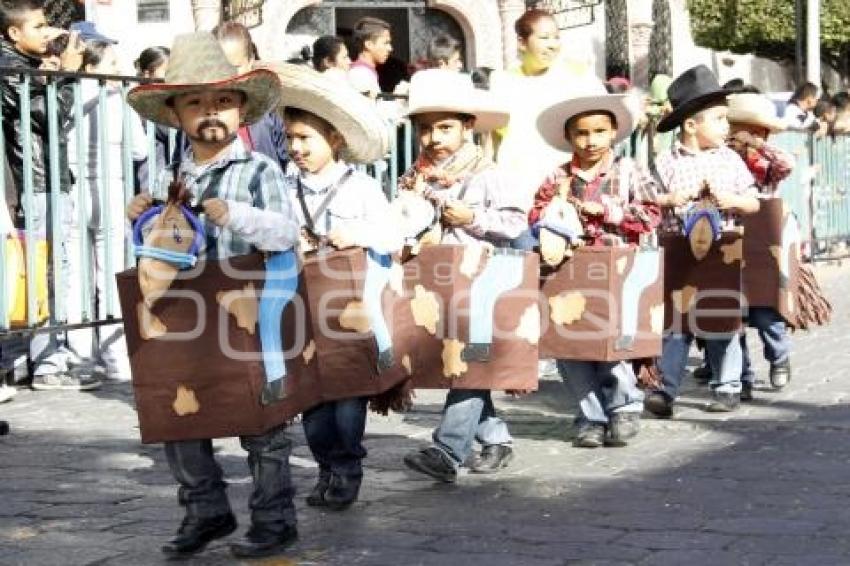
{"type": "Point", "coordinates": [625, 189]}
{"type": "Point", "coordinates": [769, 165]}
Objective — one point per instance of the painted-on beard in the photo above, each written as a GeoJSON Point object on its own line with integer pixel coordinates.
{"type": "Point", "coordinates": [212, 130]}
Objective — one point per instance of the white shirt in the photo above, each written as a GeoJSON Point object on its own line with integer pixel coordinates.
{"type": "Point", "coordinates": [796, 118]}
{"type": "Point", "coordinates": [358, 206]}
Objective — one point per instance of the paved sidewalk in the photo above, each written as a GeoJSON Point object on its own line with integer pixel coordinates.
{"type": "Point", "coordinates": [767, 485]}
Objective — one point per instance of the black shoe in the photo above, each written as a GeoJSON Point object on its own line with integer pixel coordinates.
{"type": "Point", "coordinates": [622, 427]}
{"type": "Point", "coordinates": [195, 534]}
{"type": "Point", "coordinates": [342, 491]}
{"type": "Point", "coordinates": [702, 374]}
{"type": "Point", "coordinates": [493, 458]}
{"type": "Point", "coordinates": [780, 374]}
{"type": "Point", "coordinates": [4, 428]}
{"type": "Point", "coordinates": [262, 541]}
{"type": "Point", "coordinates": [724, 403]}
{"type": "Point", "coordinates": [746, 391]}
{"type": "Point", "coordinates": [433, 462]}
{"type": "Point", "coordinates": [659, 405]}
{"type": "Point", "coordinates": [590, 435]}
{"type": "Point", "coordinates": [317, 496]}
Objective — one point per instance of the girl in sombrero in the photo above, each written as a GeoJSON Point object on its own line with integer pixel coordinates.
{"type": "Point", "coordinates": [329, 127]}
{"type": "Point", "coordinates": [243, 200]}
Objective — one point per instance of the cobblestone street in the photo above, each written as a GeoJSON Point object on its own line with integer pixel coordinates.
{"type": "Point", "coordinates": [766, 485]}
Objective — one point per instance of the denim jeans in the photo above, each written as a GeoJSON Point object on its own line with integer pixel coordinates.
{"type": "Point", "coordinates": [723, 356]}
{"type": "Point", "coordinates": [469, 415]}
{"type": "Point", "coordinates": [525, 241]}
{"type": "Point", "coordinates": [334, 432]}
{"type": "Point", "coordinates": [772, 331]}
{"type": "Point", "coordinates": [602, 388]}
{"type": "Point", "coordinates": [202, 487]}
{"type": "Point", "coordinates": [48, 351]}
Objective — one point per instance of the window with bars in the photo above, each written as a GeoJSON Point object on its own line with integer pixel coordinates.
{"type": "Point", "coordinates": [153, 11]}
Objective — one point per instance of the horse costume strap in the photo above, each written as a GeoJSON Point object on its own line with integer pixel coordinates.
{"type": "Point", "coordinates": [310, 219]}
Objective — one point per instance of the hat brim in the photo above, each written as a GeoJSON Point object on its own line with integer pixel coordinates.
{"type": "Point", "coordinates": [260, 87]}
{"type": "Point", "coordinates": [552, 121]}
{"type": "Point", "coordinates": [772, 123]}
{"type": "Point", "coordinates": [353, 115]}
{"type": "Point", "coordinates": [678, 115]}
{"type": "Point", "coordinates": [486, 119]}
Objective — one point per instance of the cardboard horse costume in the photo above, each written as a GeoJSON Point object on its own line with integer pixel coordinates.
{"type": "Point", "coordinates": [238, 346]}
{"type": "Point", "coordinates": [477, 319]}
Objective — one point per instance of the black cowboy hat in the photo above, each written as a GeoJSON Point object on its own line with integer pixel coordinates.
{"type": "Point", "coordinates": [692, 91]}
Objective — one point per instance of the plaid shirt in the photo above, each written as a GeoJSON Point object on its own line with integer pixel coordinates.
{"type": "Point", "coordinates": [683, 170]}
{"type": "Point", "coordinates": [623, 186]}
{"type": "Point", "coordinates": [769, 165]}
{"type": "Point", "coordinates": [261, 215]}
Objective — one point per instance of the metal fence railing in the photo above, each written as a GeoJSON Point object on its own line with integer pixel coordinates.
{"type": "Point", "coordinates": [818, 192]}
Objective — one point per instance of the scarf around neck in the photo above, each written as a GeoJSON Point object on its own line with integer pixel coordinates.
{"type": "Point", "coordinates": [465, 162]}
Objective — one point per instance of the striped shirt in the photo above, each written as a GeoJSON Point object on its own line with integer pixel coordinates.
{"type": "Point", "coordinates": [261, 217]}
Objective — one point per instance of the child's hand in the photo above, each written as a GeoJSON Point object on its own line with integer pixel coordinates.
{"type": "Point", "coordinates": [138, 206]}
{"type": "Point", "coordinates": [217, 211]}
{"type": "Point", "coordinates": [455, 213]}
{"type": "Point", "coordinates": [72, 58]}
{"type": "Point", "coordinates": [589, 208]}
{"type": "Point", "coordinates": [341, 238]}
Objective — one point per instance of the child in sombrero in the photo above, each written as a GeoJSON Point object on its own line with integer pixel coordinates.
{"type": "Point", "coordinates": [329, 127]}
{"type": "Point", "coordinates": [613, 199]}
{"type": "Point", "coordinates": [242, 196]}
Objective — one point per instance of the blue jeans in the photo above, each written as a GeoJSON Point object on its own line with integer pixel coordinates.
{"type": "Point", "coordinates": [469, 415]}
{"type": "Point", "coordinates": [202, 485]}
{"type": "Point", "coordinates": [525, 241]}
{"type": "Point", "coordinates": [334, 432]}
{"type": "Point", "coordinates": [772, 331]}
{"type": "Point", "coordinates": [723, 355]}
{"type": "Point", "coordinates": [49, 351]}
{"type": "Point", "coordinates": [602, 388]}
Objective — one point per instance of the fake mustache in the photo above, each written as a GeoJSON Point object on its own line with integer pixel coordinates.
{"type": "Point", "coordinates": [211, 123]}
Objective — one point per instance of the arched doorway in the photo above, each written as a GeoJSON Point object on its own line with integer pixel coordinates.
{"type": "Point", "coordinates": [412, 28]}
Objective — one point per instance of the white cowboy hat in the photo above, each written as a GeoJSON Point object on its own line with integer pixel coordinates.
{"type": "Point", "coordinates": [552, 121]}
{"type": "Point", "coordinates": [752, 108]}
{"type": "Point", "coordinates": [353, 115]}
{"type": "Point", "coordinates": [440, 90]}
{"type": "Point", "coordinates": [197, 62]}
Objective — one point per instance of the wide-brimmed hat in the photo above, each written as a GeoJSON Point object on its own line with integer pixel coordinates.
{"type": "Point", "coordinates": [441, 90]}
{"type": "Point", "coordinates": [197, 62]}
{"type": "Point", "coordinates": [753, 108]}
{"type": "Point", "coordinates": [353, 115]}
{"type": "Point", "coordinates": [692, 91]}
{"type": "Point", "coordinates": [592, 97]}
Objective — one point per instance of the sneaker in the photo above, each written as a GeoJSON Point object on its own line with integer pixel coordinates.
{"type": "Point", "coordinates": [724, 403]}
{"type": "Point", "coordinates": [622, 427]}
{"type": "Point", "coordinates": [590, 435]}
{"type": "Point", "coordinates": [65, 381]}
{"type": "Point", "coordinates": [780, 374]}
{"type": "Point", "coordinates": [702, 374]}
{"type": "Point", "coordinates": [547, 368]}
{"type": "Point", "coordinates": [659, 405]}
{"type": "Point", "coordinates": [746, 391]}
{"type": "Point", "coordinates": [433, 462]}
{"type": "Point", "coordinates": [492, 459]}
{"type": "Point", "coordinates": [7, 392]}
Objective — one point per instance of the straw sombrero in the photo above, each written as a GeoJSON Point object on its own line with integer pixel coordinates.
{"type": "Point", "coordinates": [440, 90]}
{"type": "Point", "coordinates": [593, 97]}
{"type": "Point", "coordinates": [353, 115]}
{"type": "Point", "coordinates": [197, 62]}
{"type": "Point", "coordinates": [752, 108]}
